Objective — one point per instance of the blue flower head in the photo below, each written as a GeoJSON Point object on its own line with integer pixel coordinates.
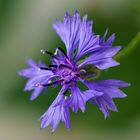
{"type": "Point", "coordinates": [86, 55]}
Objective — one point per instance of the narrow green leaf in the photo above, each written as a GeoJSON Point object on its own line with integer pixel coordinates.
{"type": "Point", "coordinates": [130, 47]}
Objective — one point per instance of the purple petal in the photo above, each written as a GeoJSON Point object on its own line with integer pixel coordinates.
{"type": "Point", "coordinates": [105, 63]}
{"type": "Point", "coordinates": [68, 31]}
{"type": "Point", "coordinates": [56, 113]}
{"type": "Point", "coordinates": [41, 79]}
{"type": "Point", "coordinates": [34, 70]}
{"type": "Point", "coordinates": [105, 103]}
{"type": "Point", "coordinates": [65, 117]}
{"type": "Point", "coordinates": [114, 83]}
{"type": "Point", "coordinates": [110, 90]}
{"type": "Point", "coordinates": [111, 87]}
{"type": "Point", "coordinates": [102, 40]}
{"type": "Point", "coordinates": [78, 98]}
{"type": "Point", "coordinates": [28, 73]}
{"type": "Point", "coordinates": [77, 34]}
{"type": "Point", "coordinates": [110, 40]}
{"type": "Point", "coordinates": [102, 58]}
{"type": "Point", "coordinates": [36, 93]}
{"type": "Point", "coordinates": [31, 63]}
{"type": "Point", "coordinates": [88, 41]}
{"type": "Point", "coordinates": [36, 75]}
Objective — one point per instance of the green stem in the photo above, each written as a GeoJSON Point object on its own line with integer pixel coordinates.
{"type": "Point", "coordinates": [130, 47]}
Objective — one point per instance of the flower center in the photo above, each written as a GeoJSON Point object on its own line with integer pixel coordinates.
{"type": "Point", "coordinates": [67, 73]}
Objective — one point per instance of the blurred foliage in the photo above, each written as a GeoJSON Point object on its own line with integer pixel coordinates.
{"type": "Point", "coordinates": [25, 28]}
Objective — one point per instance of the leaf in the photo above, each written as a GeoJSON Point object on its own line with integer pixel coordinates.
{"type": "Point", "coordinates": [135, 42]}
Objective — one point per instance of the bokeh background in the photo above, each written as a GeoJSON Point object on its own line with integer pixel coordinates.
{"type": "Point", "coordinates": [25, 28]}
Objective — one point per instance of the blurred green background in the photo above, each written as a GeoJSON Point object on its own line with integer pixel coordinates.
{"type": "Point", "coordinates": [25, 28]}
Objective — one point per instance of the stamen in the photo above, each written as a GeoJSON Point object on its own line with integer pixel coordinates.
{"type": "Point", "coordinates": [52, 83]}
{"type": "Point", "coordinates": [47, 52]}
{"type": "Point", "coordinates": [54, 66]}
{"type": "Point", "coordinates": [68, 82]}
{"type": "Point", "coordinates": [56, 51]}
{"type": "Point", "coordinates": [63, 51]}
{"type": "Point", "coordinates": [62, 65]}
{"type": "Point", "coordinates": [49, 81]}
{"type": "Point", "coordinates": [65, 92]}
{"type": "Point", "coordinates": [44, 52]}
{"type": "Point", "coordinates": [37, 84]}
{"type": "Point", "coordinates": [44, 68]}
